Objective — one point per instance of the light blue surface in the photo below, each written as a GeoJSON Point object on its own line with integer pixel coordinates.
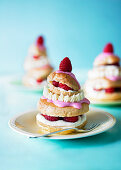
{"type": "Point", "coordinates": [74, 28]}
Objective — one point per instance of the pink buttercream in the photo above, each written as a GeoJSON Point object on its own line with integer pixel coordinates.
{"type": "Point", "coordinates": [114, 78]}
{"type": "Point", "coordinates": [70, 74]}
{"type": "Point", "coordinates": [77, 105]}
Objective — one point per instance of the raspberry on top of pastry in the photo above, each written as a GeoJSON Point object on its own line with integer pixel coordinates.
{"type": "Point", "coordinates": [37, 65]}
{"type": "Point", "coordinates": [107, 57]}
{"type": "Point", "coordinates": [62, 104]}
{"type": "Point", "coordinates": [104, 80]}
{"type": "Point", "coordinates": [38, 49]}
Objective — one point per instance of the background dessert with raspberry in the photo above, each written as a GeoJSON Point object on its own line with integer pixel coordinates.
{"type": "Point", "coordinates": [104, 80]}
{"type": "Point", "coordinates": [63, 104]}
{"type": "Point", "coordinates": [37, 65]}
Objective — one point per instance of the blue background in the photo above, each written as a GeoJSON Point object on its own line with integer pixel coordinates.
{"type": "Point", "coordinates": [75, 28]}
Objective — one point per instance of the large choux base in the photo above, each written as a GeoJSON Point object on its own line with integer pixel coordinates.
{"type": "Point", "coordinates": [53, 110]}
{"type": "Point", "coordinates": [48, 129]}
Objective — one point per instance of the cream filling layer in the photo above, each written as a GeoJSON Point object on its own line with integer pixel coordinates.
{"type": "Point", "coordinates": [74, 98]}
{"type": "Point", "coordinates": [105, 71]}
{"type": "Point", "coordinates": [61, 123]}
{"type": "Point", "coordinates": [31, 63]}
{"type": "Point", "coordinates": [96, 84]}
{"type": "Point", "coordinates": [93, 93]}
{"type": "Point", "coordinates": [90, 93]}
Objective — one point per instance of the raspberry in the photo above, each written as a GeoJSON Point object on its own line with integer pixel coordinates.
{"type": "Point", "coordinates": [97, 89]}
{"type": "Point", "coordinates": [110, 90]}
{"type": "Point", "coordinates": [35, 57]}
{"type": "Point", "coordinates": [114, 64]}
{"type": "Point", "coordinates": [65, 65]}
{"type": "Point", "coordinates": [55, 83]}
{"type": "Point", "coordinates": [108, 48]}
{"type": "Point", "coordinates": [50, 118]}
{"type": "Point", "coordinates": [39, 80]}
{"type": "Point", "coordinates": [40, 40]}
{"type": "Point", "coordinates": [65, 87]}
{"type": "Point", "coordinates": [70, 119]}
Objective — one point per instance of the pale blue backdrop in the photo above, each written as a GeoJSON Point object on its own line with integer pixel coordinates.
{"type": "Point", "coordinates": [75, 28]}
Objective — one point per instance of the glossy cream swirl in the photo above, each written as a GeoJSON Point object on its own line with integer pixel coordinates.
{"type": "Point", "coordinates": [104, 71]}
{"type": "Point", "coordinates": [74, 98]}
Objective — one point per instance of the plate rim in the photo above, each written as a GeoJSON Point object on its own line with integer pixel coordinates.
{"type": "Point", "coordinates": [12, 125]}
{"type": "Point", "coordinates": [113, 103]}
{"type": "Point", "coordinates": [24, 88]}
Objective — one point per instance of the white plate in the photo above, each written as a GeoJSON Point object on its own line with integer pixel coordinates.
{"type": "Point", "coordinates": [110, 103]}
{"type": "Point", "coordinates": [25, 124]}
{"type": "Point", "coordinates": [15, 83]}
{"type": "Point", "coordinates": [18, 84]}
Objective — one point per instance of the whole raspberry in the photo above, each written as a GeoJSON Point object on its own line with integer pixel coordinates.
{"type": "Point", "coordinates": [116, 64]}
{"type": "Point", "coordinates": [39, 80]}
{"type": "Point", "coordinates": [97, 89]}
{"type": "Point", "coordinates": [55, 83]}
{"type": "Point", "coordinates": [40, 40]}
{"type": "Point", "coordinates": [110, 90]}
{"type": "Point", "coordinates": [50, 118]}
{"type": "Point", "coordinates": [108, 48]}
{"type": "Point", "coordinates": [35, 57]}
{"type": "Point", "coordinates": [65, 65]}
{"type": "Point", "coordinates": [65, 87]}
{"type": "Point", "coordinates": [71, 119]}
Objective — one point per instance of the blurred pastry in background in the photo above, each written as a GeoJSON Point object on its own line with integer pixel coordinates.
{"type": "Point", "coordinates": [63, 104]}
{"type": "Point", "coordinates": [104, 80]}
{"type": "Point", "coordinates": [37, 65]}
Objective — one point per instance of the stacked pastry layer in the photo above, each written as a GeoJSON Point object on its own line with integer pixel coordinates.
{"type": "Point", "coordinates": [63, 104]}
{"type": "Point", "coordinates": [104, 80]}
{"type": "Point", "coordinates": [37, 65]}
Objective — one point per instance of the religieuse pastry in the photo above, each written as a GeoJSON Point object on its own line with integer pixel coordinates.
{"type": "Point", "coordinates": [37, 65]}
{"type": "Point", "coordinates": [63, 103]}
{"type": "Point", "coordinates": [104, 80]}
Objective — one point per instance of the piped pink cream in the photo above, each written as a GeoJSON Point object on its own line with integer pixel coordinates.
{"type": "Point", "coordinates": [113, 78]}
{"type": "Point", "coordinates": [77, 105]}
{"type": "Point", "coordinates": [70, 74]}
